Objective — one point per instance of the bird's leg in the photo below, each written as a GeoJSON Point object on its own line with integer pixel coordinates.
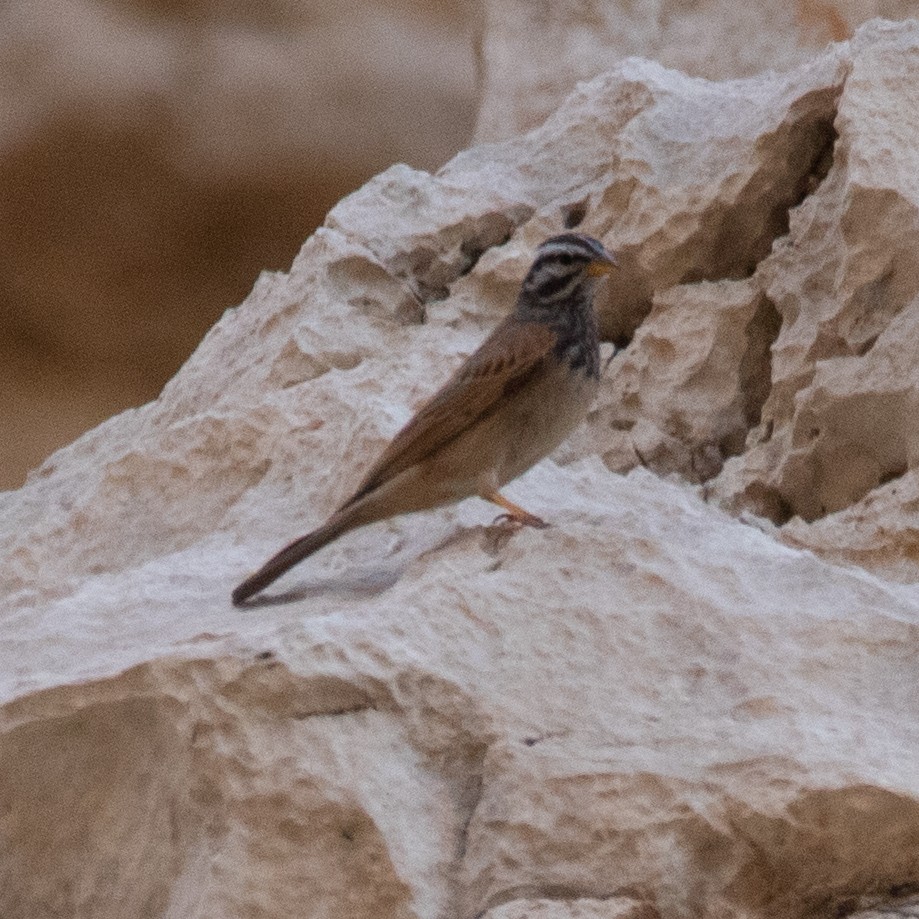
{"type": "Point", "coordinates": [514, 513]}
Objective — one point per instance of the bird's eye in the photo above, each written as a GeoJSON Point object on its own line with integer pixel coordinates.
{"type": "Point", "coordinates": [566, 258]}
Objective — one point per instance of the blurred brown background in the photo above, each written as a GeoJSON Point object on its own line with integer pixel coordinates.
{"type": "Point", "coordinates": [156, 156]}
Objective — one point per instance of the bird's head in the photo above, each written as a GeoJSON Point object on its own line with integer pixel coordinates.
{"type": "Point", "coordinates": [563, 269]}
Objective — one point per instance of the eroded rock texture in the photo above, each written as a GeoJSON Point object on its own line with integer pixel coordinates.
{"type": "Point", "coordinates": [694, 695]}
{"type": "Point", "coordinates": [532, 54]}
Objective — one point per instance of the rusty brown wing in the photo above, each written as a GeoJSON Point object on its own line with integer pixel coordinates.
{"type": "Point", "coordinates": [501, 364]}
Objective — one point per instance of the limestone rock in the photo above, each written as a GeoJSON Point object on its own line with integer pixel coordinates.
{"type": "Point", "coordinates": [580, 908]}
{"type": "Point", "coordinates": [532, 55]}
{"type": "Point", "coordinates": [653, 708]}
{"type": "Point", "coordinates": [907, 908]}
{"type": "Point", "coordinates": [838, 429]}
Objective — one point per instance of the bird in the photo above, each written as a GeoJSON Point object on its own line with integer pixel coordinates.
{"type": "Point", "coordinates": [511, 403]}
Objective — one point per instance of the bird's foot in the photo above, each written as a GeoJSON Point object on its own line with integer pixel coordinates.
{"type": "Point", "coordinates": [516, 521]}
{"type": "Point", "coordinates": [514, 515]}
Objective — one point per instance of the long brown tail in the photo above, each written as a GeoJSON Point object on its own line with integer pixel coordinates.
{"type": "Point", "coordinates": [298, 550]}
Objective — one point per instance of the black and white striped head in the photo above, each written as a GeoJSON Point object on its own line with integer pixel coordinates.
{"type": "Point", "coordinates": [563, 270]}
{"type": "Point", "coordinates": [558, 291]}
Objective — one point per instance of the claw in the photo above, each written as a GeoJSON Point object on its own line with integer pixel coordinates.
{"type": "Point", "coordinates": [516, 521]}
{"type": "Point", "coordinates": [515, 513]}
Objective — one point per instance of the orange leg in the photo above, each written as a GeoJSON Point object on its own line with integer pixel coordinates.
{"type": "Point", "coordinates": [514, 513]}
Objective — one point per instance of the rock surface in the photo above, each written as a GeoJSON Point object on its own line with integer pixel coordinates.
{"type": "Point", "coordinates": [694, 695]}
{"type": "Point", "coordinates": [532, 55]}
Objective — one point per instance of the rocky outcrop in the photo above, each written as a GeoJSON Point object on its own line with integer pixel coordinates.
{"type": "Point", "coordinates": [693, 695]}
{"type": "Point", "coordinates": [531, 56]}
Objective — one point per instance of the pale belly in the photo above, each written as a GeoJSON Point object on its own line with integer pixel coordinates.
{"type": "Point", "coordinates": [527, 426]}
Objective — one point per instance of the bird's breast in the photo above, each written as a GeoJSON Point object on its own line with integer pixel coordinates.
{"type": "Point", "coordinates": [536, 421]}
{"type": "Point", "coordinates": [527, 424]}
{"type": "Point", "coordinates": [576, 340]}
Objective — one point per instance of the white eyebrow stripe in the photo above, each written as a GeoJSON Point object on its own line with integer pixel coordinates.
{"type": "Point", "coordinates": [575, 249]}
